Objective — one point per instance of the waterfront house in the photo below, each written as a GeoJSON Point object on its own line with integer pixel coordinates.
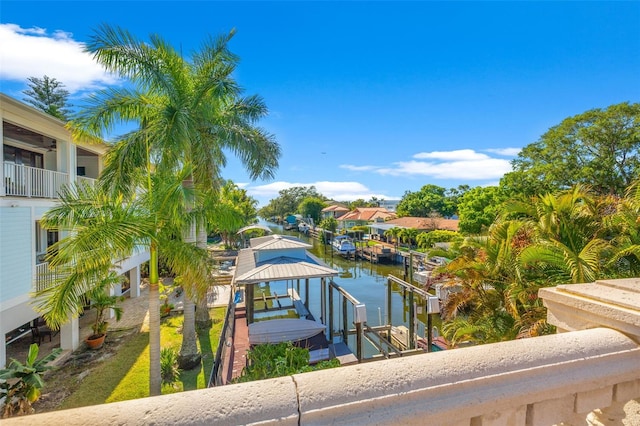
{"type": "Point", "coordinates": [362, 216]}
{"type": "Point", "coordinates": [335, 211]}
{"type": "Point", "coordinates": [422, 224]}
{"type": "Point", "coordinates": [39, 157]}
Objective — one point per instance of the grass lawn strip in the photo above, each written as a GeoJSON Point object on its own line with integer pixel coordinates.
{"type": "Point", "coordinates": [124, 374]}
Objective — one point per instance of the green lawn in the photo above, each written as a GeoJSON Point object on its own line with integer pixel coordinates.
{"type": "Point", "coordinates": [126, 375]}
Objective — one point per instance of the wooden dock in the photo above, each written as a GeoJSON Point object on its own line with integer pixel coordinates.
{"type": "Point", "coordinates": [377, 253]}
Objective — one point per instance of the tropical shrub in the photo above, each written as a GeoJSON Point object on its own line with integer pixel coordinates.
{"type": "Point", "coordinates": [20, 384]}
{"type": "Point", "coordinates": [277, 360]}
{"type": "Point", "coordinates": [169, 365]}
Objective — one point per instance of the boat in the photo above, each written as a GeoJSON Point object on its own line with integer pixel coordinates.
{"type": "Point", "coordinates": [421, 276]}
{"type": "Point", "coordinates": [303, 227]}
{"type": "Point", "coordinates": [343, 245]}
{"type": "Point", "coordinates": [283, 330]}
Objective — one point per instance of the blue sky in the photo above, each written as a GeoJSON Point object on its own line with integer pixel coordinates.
{"type": "Point", "coordinates": [368, 98]}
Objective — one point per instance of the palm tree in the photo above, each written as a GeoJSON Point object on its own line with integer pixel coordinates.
{"type": "Point", "coordinates": [102, 229]}
{"type": "Point", "coordinates": [408, 236]}
{"type": "Point", "coordinates": [625, 228]}
{"type": "Point", "coordinates": [498, 297]}
{"type": "Point", "coordinates": [393, 233]}
{"type": "Point", "coordinates": [189, 112]}
{"type": "Point", "coordinates": [569, 228]}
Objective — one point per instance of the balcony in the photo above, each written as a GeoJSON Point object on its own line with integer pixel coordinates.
{"type": "Point", "coordinates": [44, 277]}
{"type": "Point", "coordinates": [83, 180]}
{"type": "Point", "coordinates": [590, 374]}
{"type": "Point", "coordinates": [32, 182]}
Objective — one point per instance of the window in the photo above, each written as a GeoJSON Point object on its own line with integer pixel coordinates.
{"type": "Point", "coordinates": [15, 155]}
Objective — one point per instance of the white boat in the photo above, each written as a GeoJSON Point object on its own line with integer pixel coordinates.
{"type": "Point", "coordinates": [303, 227]}
{"type": "Point", "coordinates": [343, 245]}
{"type": "Point", "coordinates": [421, 276]}
{"type": "Point", "coordinates": [283, 330]}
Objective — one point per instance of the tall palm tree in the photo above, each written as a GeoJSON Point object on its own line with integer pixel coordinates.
{"type": "Point", "coordinates": [188, 111]}
{"type": "Point", "coordinates": [103, 229]}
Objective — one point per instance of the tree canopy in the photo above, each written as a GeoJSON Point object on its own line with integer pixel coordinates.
{"type": "Point", "coordinates": [478, 208]}
{"type": "Point", "coordinates": [288, 201]}
{"type": "Point", "coordinates": [311, 207]}
{"type": "Point", "coordinates": [429, 199]}
{"type": "Point", "coordinates": [48, 95]}
{"type": "Point", "coordinates": [598, 148]}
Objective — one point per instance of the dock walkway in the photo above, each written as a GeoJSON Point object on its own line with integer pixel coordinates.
{"type": "Point", "coordinates": [377, 254]}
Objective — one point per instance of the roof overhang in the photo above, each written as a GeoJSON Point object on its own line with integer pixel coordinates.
{"type": "Point", "coordinates": [281, 268]}
{"type": "Point", "coordinates": [384, 226]}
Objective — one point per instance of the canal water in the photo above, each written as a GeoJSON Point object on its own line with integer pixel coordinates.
{"type": "Point", "coordinates": [367, 282]}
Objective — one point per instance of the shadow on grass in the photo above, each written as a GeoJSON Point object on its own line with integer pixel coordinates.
{"type": "Point", "coordinates": [101, 382]}
{"type": "Point", "coordinates": [208, 339]}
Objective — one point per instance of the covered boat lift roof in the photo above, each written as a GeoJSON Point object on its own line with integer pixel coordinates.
{"type": "Point", "coordinates": [284, 259]}
{"type": "Point", "coordinates": [254, 226]}
{"type": "Point", "coordinates": [278, 269]}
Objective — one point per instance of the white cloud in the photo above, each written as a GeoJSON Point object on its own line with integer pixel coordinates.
{"type": "Point", "coordinates": [507, 152]}
{"type": "Point", "coordinates": [33, 52]}
{"type": "Point", "coordinates": [461, 164]}
{"type": "Point", "coordinates": [459, 154]}
{"type": "Point", "coordinates": [481, 169]}
{"type": "Point", "coordinates": [340, 191]}
{"type": "Point", "coordinates": [357, 168]}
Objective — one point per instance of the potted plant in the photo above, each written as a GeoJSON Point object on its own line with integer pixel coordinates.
{"type": "Point", "coordinates": [102, 303]}
{"type": "Point", "coordinates": [166, 308]}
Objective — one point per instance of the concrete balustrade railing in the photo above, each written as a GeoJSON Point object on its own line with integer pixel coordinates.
{"type": "Point", "coordinates": [547, 380]}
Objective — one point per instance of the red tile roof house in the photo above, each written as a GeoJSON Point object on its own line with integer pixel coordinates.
{"type": "Point", "coordinates": [425, 223]}
{"type": "Point", "coordinates": [334, 210]}
{"type": "Point", "coordinates": [364, 216]}
{"type": "Point", "coordinates": [419, 223]}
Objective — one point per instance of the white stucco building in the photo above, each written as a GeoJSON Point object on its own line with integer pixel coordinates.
{"type": "Point", "coordinates": [39, 157]}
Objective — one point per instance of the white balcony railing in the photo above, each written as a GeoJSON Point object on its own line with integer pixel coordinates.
{"type": "Point", "coordinates": [44, 277]}
{"type": "Point", "coordinates": [83, 180]}
{"type": "Point", "coordinates": [32, 182]}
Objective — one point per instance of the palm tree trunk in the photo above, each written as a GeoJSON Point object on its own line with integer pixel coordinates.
{"type": "Point", "coordinates": [203, 320]}
{"type": "Point", "coordinates": [155, 379]}
{"type": "Point", "coordinates": [189, 356]}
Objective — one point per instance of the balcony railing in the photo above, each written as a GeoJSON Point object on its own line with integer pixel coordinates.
{"type": "Point", "coordinates": [83, 180]}
{"type": "Point", "coordinates": [44, 277]}
{"type": "Point", "coordinates": [32, 182]}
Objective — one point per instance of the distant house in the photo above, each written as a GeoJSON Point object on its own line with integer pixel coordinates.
{"type": "Point", "coordinates": [390, 205]}
{"type": "Point", "coordinates": [424, 224]}
{"type": "Point", "coordinates": [362, 216]}
{"type": "Point", "coordinates": [335, 211]}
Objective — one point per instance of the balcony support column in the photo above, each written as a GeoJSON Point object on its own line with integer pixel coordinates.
{"type": "Point", "coordinates": [70, 335]}
{"type": "Point", "coordinates": [3, 354]}
{"type": "Point", "coordinates": [134, 282]}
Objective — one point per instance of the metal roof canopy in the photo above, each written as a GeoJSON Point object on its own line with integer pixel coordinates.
{"type": "Point", "coordinates": [280, 268]}
{"type": "Point", "coordinates": [277, 242]}
{"type": "Point", "coordinates": [247, 228]}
